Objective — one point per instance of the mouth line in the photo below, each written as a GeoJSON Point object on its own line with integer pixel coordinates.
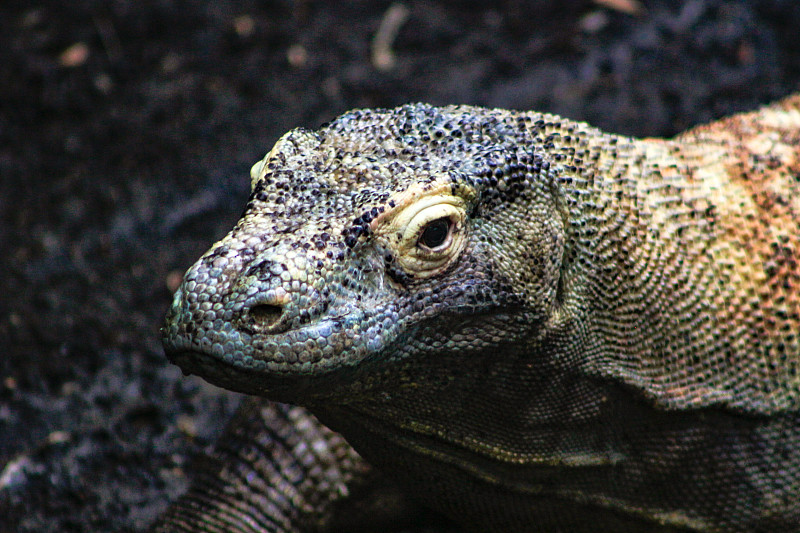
{"type": "Point", "coordinates": [289, 385]}
{"type": "Point", "coordinates": [264, 353]}
{"type": "Point", "coordinates": [210, 369]}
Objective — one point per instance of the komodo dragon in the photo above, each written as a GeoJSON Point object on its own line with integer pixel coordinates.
{"type": "Point", "coordinates": [526, 323]}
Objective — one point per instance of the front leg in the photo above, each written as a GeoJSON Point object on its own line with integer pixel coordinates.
{"type": "Point", "coordinates": [278, 469]}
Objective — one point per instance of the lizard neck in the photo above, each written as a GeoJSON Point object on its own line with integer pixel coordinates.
{"type": "Point", "coordinates": [659, 259]}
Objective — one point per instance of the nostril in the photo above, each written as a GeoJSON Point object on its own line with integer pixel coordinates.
{"type": "Point", "coordinates": [266, 315]}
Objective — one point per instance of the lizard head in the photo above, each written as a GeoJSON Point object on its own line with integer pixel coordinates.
{"type": "Point", "coordinates": [383, 238]}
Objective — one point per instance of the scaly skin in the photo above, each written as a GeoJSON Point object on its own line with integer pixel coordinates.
{"type": "Point", "coordinates": [530, 324]}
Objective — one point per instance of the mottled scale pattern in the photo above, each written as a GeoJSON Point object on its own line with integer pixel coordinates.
{"type": "Point", "coordinates": [529, 324]}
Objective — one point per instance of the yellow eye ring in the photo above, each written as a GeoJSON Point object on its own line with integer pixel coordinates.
{"type": "Point", "coordinates": [431, 235]}
{"type": "Point", "coordinates": [427, 235]}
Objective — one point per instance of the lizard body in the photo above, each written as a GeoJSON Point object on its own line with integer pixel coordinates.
{"type": "Point", "coordinates": [530, 324]}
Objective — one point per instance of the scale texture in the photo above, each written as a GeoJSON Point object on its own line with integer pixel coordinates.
{"type": "Point", "coordinates": [526, 323]}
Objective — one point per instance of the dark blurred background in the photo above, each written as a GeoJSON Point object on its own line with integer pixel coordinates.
{"type": "Point", "coordinates": [127, 130]}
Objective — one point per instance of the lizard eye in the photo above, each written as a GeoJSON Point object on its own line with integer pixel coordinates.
{"type": "Point", "coordinates": [436, 234]}
{"type": "Point", "coordinates": [428, 235]}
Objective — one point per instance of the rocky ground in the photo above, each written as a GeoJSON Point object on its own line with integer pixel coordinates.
{"type": "Point", "coordinates": [127, 130]}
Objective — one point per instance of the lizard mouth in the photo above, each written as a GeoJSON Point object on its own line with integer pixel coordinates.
{"type": "Point", "coordinates": [286, 365]}
{"type": "Point", "coordinates": [286, 387]}
{"type": "Point", "coordinates": [209, 367]}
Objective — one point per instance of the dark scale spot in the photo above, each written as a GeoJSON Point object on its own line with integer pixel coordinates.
{"type": "Point", "coordinates": [261, 270]}
{"type": "Point", "coordinates": [247, 208]}
{"type": "Point", "coordinates": [352, 234]}
{"type": "Point", "coordinates": [218, 252]}
{"type": "Point", "coordinates": [399, 276]}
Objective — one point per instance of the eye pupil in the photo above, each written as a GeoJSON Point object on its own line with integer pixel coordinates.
{"type": "Point", "coordinates": [435, 233]}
